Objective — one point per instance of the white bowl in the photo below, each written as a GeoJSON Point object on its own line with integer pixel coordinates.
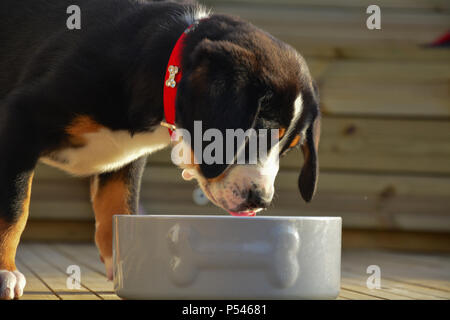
{"type": "Point", "coordinates": [225, 257]}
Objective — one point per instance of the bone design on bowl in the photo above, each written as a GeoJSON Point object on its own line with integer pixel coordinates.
{"type": "Point", "coordinates": [276, 253]}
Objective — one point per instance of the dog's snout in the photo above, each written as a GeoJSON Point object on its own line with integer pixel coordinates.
{"type": "Point", "coordinates": [256, 200]}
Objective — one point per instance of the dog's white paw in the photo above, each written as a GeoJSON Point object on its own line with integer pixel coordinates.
{"type": "Point", "coordinates": [12, 284]}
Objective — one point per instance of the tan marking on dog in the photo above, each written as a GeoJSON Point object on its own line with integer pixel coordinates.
{"type": "Point", "coordinates": [79, 127]}
{"type": "Point", "coordinates": [295, 141]}
{"type": "Point", "coordinates": [10, 234]}
{"type": "Point", "coordinates": [108, 199]}
{"type": "Point", "coordinates": [82, 125]}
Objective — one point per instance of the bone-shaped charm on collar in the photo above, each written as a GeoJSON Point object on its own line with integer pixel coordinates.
{"type": "Point", "coordinates": [173, 70]}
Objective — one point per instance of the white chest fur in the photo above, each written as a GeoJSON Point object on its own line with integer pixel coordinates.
{"type": "Point", "coordinates": [107, 150]}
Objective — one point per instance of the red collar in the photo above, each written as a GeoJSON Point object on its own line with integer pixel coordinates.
{"type": "Point", "coordinates": [171, 80]}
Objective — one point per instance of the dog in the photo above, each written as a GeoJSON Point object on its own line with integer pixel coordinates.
{"type": "Point", "coordinates": [91, 101]}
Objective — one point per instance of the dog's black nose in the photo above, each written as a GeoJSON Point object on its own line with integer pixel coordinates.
{"type": "Point", "coordinates": [255, 200]}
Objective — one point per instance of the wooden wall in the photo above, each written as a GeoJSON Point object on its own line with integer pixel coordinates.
{"type": "Point", "coordinates": [385, 148]}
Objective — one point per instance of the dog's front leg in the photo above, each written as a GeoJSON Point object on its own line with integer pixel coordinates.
{"type": "Point", "coordinates": [114, 193]}
{"type": "Point", "coordinates": [14, 204]}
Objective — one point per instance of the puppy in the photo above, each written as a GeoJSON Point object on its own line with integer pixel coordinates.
{"type": "Point", "coordinates": [90, 101]}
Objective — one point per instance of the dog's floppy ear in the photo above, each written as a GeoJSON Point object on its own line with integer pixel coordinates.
{"type": "Point", "coordinates": [309, 175]}
{"type": "Point", "coordinates": [307, 181]}
{"type": "Point", "coordinates": [219, 91]}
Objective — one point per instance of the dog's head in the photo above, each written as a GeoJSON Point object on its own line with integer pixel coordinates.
{"type": "Point", "coordinates": [236, 76]}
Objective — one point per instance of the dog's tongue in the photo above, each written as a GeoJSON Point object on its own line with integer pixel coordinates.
{"type": "Point", "coordinates": [243, 214]}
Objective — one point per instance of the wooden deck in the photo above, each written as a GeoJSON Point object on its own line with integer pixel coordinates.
{"type": "Point", "coordinates": [403, 275]}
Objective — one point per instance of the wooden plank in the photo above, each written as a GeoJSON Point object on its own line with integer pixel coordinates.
{"type": "Point", "coordinates": [56, 195]}
{"type": "Point", "coordinates": [52, 276]}
{"type": "Point", "coordinates": [382, 145]}
{"type": "Point", "coordinates": [327, 32]}
{"type": "Point", "coordinates": [319, 67]}
{"type": "Point", "coordinates": [397, 268]}
{"type": "Point", "coordinates": [355, 286]}
{"type": "Point", "coordinates": [408, 89]}
{"type": "Point", "coordinates": [85, 254]}
{"type": "Point", "coordinates": [92, 280]}
{"type": "Point", "coordinates": [57, 230]}
{"type": "Point", "coordinates": [58, 264]}
{"type": "Point", "coordinates": [432, 5]}
{"type": "Point", "coordinates": [415, 291]}
{"type": "Point", "coordinates": [394, 262]}
{"type": "Point", "coordinates": [396, 287]}
{"type": "Point", "coordinates": [436, 260]}
{"type": "Point", "coordinates": [385, 292]}
{"type": "Point", "coordinates": [54, 208]}
{"type": "Point", "coordinates": [431, 274]}
{"type": "Point", "coordinates": [354, 295]}
{"type": "Point", "coordinates": [47, 173]}
{"type": "Point", "coordinates": [393, 51]}
{"type": "Point", "coordinates": [35, 289]}
{"type": "Point", "coordinates": [343, 25]}
{"type": "Point", "coordinates": [396, 240]}
{"type": "Point", "coordinates": [367, 201]}
{"type": "Point", "coordinates": [340, 28]}
{"type": "Point", "coordinates": [396, 271]}
{"type": "Point", "coordinates": [69, 188]}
